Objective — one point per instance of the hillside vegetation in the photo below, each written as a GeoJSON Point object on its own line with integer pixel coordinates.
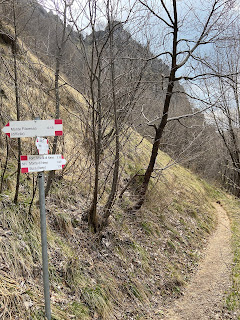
{"type": "Point", "coordinates": [139, 262]}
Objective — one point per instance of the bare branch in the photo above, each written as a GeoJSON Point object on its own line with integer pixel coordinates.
{"type": "Point", "coordinates": [188, 115]}
{"type": "Point", "coordinates": [209, 75]}
{"type": "Point", "coordinates": [156, 15]}
{"type": "Point", "coordinates": [203, 34]}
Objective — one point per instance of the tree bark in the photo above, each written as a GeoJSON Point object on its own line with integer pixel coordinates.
{"type": "Point", "coordinates": [111, 198]}
{"type": "Point", "coordinates": [164, 119]}
{"type": "Point", "coordinates": [4, 167]}
{"type": "Point", "coordinates": [60, 50]}
{"type": "Point", "coordinates": [17, 100]}
{"type": "Point", "coordinates": [95, 76]}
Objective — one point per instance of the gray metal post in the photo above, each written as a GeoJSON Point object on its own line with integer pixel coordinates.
{"type": "Point", "coordinates": [44, 244]}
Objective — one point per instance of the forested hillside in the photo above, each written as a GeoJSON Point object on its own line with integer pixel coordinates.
{"type": "Point", "coordinates": [206, 142]}
{"type": "Point", "coordinates": [126, 223]}
{"type": "Point", "coordinates": [141, 85]}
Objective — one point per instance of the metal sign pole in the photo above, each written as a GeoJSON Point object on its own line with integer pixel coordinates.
{"type": "Point", "coordinates": [33, 163]}
{"type": "Point", "coordinates": [44, 244]}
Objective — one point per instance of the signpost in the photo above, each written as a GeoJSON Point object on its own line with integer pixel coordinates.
{"type": "Point", "coordinates": [45, 162]}
{"type": "Point", "coordinates": [33, 128]}
{"type": "Point", "coordinates": [39, 163]}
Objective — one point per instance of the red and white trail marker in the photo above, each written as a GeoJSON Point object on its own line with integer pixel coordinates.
{"type": "Point", "coordinates": [42, 145]}
{"type": "Point", "coordinates": [34, 128]}
{"type": "Point", "coordinates": [45, 162]}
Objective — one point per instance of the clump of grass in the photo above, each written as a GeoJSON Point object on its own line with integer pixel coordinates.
{"type": "Point", "coordinates": [97, 299]}
{"type": "Point", "coordinates": [11, 298]}
{"type": "Point", "coordinates": [147, 227]}
{"type": "Point", "coordinates": [80, 310]}
{"type": "Point", "coordinates": [143, 255]}
{"type": "Point", "coordinates": [136, 290]}
{"type": "Point", "coordinates": [62, 222]}
{"type": "Point", "coordinates": [171, 245]}
{"type": "Point", "coordinates": [176, 278]}
{"type": "Point", "coordinates": [231, 205]}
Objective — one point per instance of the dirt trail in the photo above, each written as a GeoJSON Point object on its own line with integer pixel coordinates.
{"type": "Point", "coordinates": [204, 296]}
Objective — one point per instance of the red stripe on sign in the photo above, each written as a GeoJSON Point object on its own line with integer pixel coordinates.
{"type": "Point", "coordinates": [23, 158]}
{"type": "Point", "coordinates": [24, 170]}
{"type": "Point", "coordinates": [58, 133]}
{"type": "Point", "coordinates": [7, 125]}
{"type": "Point", "coordinates": [63, 165]}
{"type": "Point", "coordinates": [58, 121]}
{"type": "Point", "coordinates": [8, 134]}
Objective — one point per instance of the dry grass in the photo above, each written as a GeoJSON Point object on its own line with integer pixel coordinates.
{"type": "Point", "coordinates": [131, 269]}
{"type": "Point", "coordinates": [231, 205]}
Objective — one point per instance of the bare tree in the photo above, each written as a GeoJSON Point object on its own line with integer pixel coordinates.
{"type": "Point", "coordinates": [12, 13]}
{"type": "Point", "coordinates": [182, 50]}
{"type": "Point", "coordinates": [17, 97]}
{"type": "Point", "coordinates": [62, 35]}
{"type": "Point", "coordinates": [226, 114]}
{"type": "Point", "coordinates": [110, 93]}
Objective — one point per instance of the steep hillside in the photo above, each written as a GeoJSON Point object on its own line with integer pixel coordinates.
{"type": "Point", "coordinates": [42, 31]}
{"type": "Point", "coordinates": [137, 264]}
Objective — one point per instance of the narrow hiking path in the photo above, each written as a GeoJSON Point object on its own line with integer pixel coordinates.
{"type": "Point", "coordinates": [204, 297]}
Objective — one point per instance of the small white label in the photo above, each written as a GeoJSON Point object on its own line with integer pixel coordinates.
{"type": "Point", "coordinates": [42, 145]}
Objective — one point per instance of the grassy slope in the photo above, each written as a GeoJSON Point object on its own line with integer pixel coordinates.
{"type": "Point", "coordinates": [140, 261]}
{"type": "Point", "coordinates": [129, 270]}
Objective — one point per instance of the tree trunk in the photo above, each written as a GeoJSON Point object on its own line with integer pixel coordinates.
{"type": "Point", "coordinates": [56, 89]}
{"type": "Point", "coordinates": [51, 174]}
{"type": "Point", "coordinates": [162, 125]}
{"type": "Point", "coordinates": [17, 99]}
{"type": "Point", "coordinates": [4, 167]}
{"type": "Point", "coordinates": [95, 75]}
{"type": "Point", "coordinates": [110, 201]}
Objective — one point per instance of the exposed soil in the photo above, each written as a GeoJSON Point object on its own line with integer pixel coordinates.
{"type": "Point", "coordinates": [204, 297]}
